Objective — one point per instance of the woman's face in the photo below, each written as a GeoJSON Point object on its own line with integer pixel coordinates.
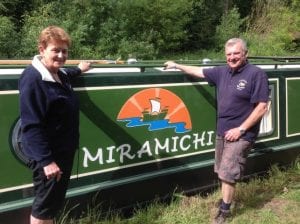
{"type": "Point", "coordinates": [54, 55]}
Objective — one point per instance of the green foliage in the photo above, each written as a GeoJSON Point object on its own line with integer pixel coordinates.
{"type": "Point", "coordinates": [33, 24]}
{"type": "Point", "coordinates": [272, 28]}
{"type": "Point", "coordinates": [8, 38]}
{"type": "Point", "coordinates": [205, 16]}
{"type": "Point", "coordinates": [229, 27]}
{"type": "Point", "coordinates": [83, 29]}
{"type": "Point", "coordinates": [295, 5]}
{"type": "Point", "coordinates": [136, 49]}
{"type": "Point", "coordinates": [86, 29]}
{"type": "Point", "coordinates": [150, 29]}
{"type": "Point", "coordinates": [15, 9]}
{"type": "Point", "coordinates": [2, 8]}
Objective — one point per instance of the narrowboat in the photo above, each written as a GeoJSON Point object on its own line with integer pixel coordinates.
{"type": "Point", "coordinates": [145, 132]}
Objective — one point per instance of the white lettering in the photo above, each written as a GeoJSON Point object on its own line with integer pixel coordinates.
{"type": "Point", "coordinates": [145, 149]}
{"type": "Point", "coordinates": [110, 154]}
{"type": "Point", "coordinates": [165, 147]}
{"type": "Point", "coordinates": [210, 135]}
{"type": "Point", "coordinates": [158, 146]}
{"type": "Point", "coordinates": [125, 152]}
{"type": "Point", "coordinates": [88, 156]}
{"type": "Point", "coordinates": [197, 140]}
{"type": "Point", "coordinates": [174, 148]}
{"type": "Point", "coordinates": [183, 148]}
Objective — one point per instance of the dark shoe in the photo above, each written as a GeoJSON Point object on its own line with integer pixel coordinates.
{"type": "Point", "coordinates": [218, 203]}
{"type": "Point", "coordinates": [221, 217]}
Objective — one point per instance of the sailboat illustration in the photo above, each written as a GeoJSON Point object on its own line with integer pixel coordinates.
{"type": "Point", "coordinates": [156, 112]}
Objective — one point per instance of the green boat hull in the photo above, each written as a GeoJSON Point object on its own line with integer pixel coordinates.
{"type": "Point", "coordinates": [124, 160]}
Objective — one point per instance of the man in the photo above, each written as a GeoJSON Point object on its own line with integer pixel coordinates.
{"type": "Point", "coordinates": [242, 95]}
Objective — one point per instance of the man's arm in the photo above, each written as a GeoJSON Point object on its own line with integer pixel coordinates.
{"type": "Point", "coordinates": [188, 69]}
{"type": "Point", "coordinates": [258, 112]}
{"type": "Point", "coordinates": [255, 116]}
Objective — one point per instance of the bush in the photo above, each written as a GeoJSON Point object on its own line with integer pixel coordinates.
{"type": "Point", "coordinates": [33, 24]}
{"type": "Point", "coordinates": [8, 38]}
{"type": "Point", "coordinates": [271, 28]}
{"type": "Point", "coordinates": [229, 27]}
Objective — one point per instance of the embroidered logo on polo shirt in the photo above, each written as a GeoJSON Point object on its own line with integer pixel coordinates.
{"type": "Point", "coordinates": [242, 84]}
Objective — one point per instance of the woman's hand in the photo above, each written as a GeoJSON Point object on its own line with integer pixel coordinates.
{"type": "Point", "coordinates": [52, 171]}
{"type": "Point", "coordinates": [84, 66]}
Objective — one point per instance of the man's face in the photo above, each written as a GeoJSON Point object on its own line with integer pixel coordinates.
{"type": "Point", "coordinates": [235, 56]}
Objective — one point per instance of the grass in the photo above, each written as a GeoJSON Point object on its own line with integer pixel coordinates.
{"type": "Point", "coordinates": [273, 199]}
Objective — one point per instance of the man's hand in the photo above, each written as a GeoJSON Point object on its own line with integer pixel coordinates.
{"type": "Point", "coordinates": [170, 65]}
{"type": "Point", "coordinates": [233, 134]}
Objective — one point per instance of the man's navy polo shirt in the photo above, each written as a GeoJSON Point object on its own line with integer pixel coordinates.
{"type": "Point", "coordinates": [238, 92]}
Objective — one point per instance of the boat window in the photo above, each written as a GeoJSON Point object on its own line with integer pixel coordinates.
{"type": "Point", "coordinates": [267, 122]}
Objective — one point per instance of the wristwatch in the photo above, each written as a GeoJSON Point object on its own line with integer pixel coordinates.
{"type": "Point", "coordinates": [242, 130]}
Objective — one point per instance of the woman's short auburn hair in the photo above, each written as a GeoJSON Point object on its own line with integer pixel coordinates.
{"type": "Point", "coordinates": [53, 34]}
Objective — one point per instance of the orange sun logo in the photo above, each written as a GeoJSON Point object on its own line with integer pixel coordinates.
{"type": "Point", "coordinates": [159, 108]}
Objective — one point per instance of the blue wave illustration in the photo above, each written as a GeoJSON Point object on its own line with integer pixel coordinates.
{"type": "Point", "coordinates": [156, 124]}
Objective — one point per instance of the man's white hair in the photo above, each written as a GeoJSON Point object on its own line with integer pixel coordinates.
{"type": "Point", "coordinates": [234, 41]}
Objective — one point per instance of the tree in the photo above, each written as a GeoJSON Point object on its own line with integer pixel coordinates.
{"type": "Point", "coordinates": [272, 28]}
{"type": "Point", "coordinates": [145, 26]}
{"type": "Point", "coordinates": [8, 38]}
{"type": "Point", "coordinates": [86, 29]}
{"type": "Point", "coordinates": [229, 27]}
{"type": "Point", "coordinates": [148, 29]}
{"type": "Point", "coordinates": [205, 15]}
{"type": "Point", "coordinates": [34, 23]}
{"type": "Point", "coordinates": [15, 9]}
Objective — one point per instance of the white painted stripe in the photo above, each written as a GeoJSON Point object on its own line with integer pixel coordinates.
{"type": "Point", "coordinates": [20, 187]}
{"type": "Point", "coordinates": [6, 92]}
{"type": "Point", "coordinates": [138, 86]}
{"type": "Point", "coordinates": [9, 92]}
{"type": "Point", "coordinates": [18, 71]}
{"type": "Point", "coordinates": [113, 70]}
{"type": "Point", "coordinates": [278, 66]}
{"type": "Point", "coordinates": [11, 71]}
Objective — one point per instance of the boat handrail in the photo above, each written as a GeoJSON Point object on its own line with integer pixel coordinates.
{"type": "Point", "coordinates": [265, 62]}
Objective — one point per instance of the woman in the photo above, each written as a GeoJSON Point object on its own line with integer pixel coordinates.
{"type": "Point", "coordinates": [49, 113]}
